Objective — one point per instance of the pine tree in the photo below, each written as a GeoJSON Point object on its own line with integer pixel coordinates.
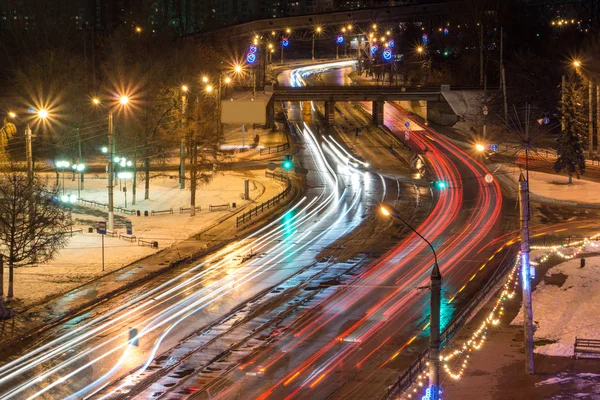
{"type": "Point", "coordinates": [572, 141]}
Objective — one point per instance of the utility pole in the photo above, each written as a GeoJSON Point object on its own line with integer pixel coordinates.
{"type": "Point", "coordinates": [562, 102]}
{"type": "Point", "coordinates": [481, 54]}
{"type": "Point", "coordinates": [193, 161]}
{"type": "Point", "coordinates": [485, 105]}
{"type": "Point", "coordinates": [434, 329]}
{"type": "Point", "coordinates": [111, 215]}
{"type": "Point", "coordinates": [28, 150]}
{"type": "Point", "coordinates": [504, 94]}
{"type": "Point", "coordinates": [182, 144]}
{"type": "Point", "coordinates": [313, 47]}
{"type": "Point", "coordinates": [597, 117]}
{"type": "Point", "coordinates": [501, 55]}
{"type": "Point", "coordinates": [591, 117]}
{"type": "Point", "coordinates": [80, 159]}
{"type": "Point", "coordinates": [526, 274]}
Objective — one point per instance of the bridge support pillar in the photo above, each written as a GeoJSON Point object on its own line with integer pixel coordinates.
{"type": "Point", "coordinates": [378, 112]}
{"type": "Point", "coordinates": [330, 112]}
{"type": "Point", "coordinates": [270, 115]}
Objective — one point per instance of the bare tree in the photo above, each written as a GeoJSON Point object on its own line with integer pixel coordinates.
{"type": "Point", "coordinates": [32, 222]}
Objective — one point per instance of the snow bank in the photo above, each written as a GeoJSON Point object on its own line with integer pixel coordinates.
{"type": "Point", "coordinates": [81, 260]}
{"type": "Point", "coordinates": [554, 186]}
{"type": "Point", "coordinates": [561, 313]}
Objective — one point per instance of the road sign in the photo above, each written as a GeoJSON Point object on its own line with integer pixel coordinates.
{"type": "Point", "coordinates": [494, 147]}
{"type": "Point", "coordinates": [102, 227]}
{"type": "Point", "coordinates": [271, 166]}
{"type": "Point", "coordinates": [489, 178]}
{"type": "Point", "coordinates": [546, 121]}
{"type": "Point", "coordinates": [407, 124]}
{"type": "Point", "coordinates": [129, 227]}
{"type": "Point", "coordinates": [485, 110]}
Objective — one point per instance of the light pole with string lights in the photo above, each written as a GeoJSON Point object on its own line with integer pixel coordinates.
{"type": "Point", "coordinates": [435, 306]}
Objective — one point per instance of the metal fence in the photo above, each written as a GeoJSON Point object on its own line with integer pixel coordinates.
{"type": "Point", "coordinates": [274, 149]}
{"type": "Point", "coordinates": [413, 371]}
{"type": "Point", "coordinates": [247, 216]}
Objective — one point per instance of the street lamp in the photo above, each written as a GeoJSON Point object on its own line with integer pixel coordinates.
{"type": "Point", "coordinates": [576, 63]}
{"type": "Point", "coordinates": [63, 165]}
{"type": "Point", "coordinates": [123, 101]}
{"type": "Point", "coordinates": [80, 167]}
{"type": "Point", "coordinates": [12, 114]}
{"type": "Point", "coordinates": [318, 30]}
{"type": "Point", "coordinates": [434, 316]}
{"type": "Point", "coordinates": [479, 147]}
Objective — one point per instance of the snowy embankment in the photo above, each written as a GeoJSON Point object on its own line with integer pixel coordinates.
{"type": "Point", "coordinates": [555, 186]}
{"type": "Point", "coordinates": [565, 306]}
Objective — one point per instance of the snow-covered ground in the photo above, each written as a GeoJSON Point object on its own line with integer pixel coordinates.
{"type": "Point", "coordinates": [554, 186]}
{"type": "Point", "coordinates": [564, 311]}
{"type": "Point", "coordinates": [81, 260]}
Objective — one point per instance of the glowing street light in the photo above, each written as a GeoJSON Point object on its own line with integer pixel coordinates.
{"type": "Point", "coordinates": [12, 114]}
{"type": "Point", "coordinates": [184, 88]}
{"type": "Point", "coordinates": [479, 147]}
{"type": "Point", "coordinates": [228, 80]}
{"type": "Point", "coordinates": [374, 27]}
{"type": "Point", "coordinates": [138, 29]}
{"type": "Point", "coordinates": [576, 63]}
{"type": "Point", "coordinates": [205, 79]}
{"type": "Point", "coordinates": [288, 31]}
{"type": "Point", "coordinates": [318, 31]}
{"type": "Point", "coordinates": [419, 49]}
{"type": "Point", "coordinates": [123, 101]}
{"type": "Point", "coordinates": [238, 69]}
{"type": "Point", "coordinates": [209, 89]}
{"type": "Point", "coordinates": [43, 113]}
{"type": "Point", "coordinates": [349, 27]}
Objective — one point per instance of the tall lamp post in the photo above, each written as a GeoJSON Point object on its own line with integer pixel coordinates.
{"type": "Point", "coordinates": [318, 31]}
{"type": "Point", "coordinates": [434, 317]}
{"type": "Point", "coordinates": [123, 101]}
{"type": "Point", "coordinates": [184, 90]}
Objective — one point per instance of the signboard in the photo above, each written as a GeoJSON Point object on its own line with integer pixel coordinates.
{"type": "Point", "coordinates": [407, 124]}
{"type": "Point", "coordinates": [129, 227]}
{"type": "Point", "coordinates": [494, 147]}
{"type": "Point", "coordinates": [244, 112]}
{"type": "Point", "coordinates": [489, 178]}
{"type": "Point", "coordinates": [102, 227]}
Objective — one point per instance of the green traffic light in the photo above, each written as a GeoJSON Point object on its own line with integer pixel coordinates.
{"type": "Point", "coordinates": [441, 184]}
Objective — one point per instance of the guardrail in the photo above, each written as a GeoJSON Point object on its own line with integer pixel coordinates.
{"type": "Point", "coordinates": [413, 371]}
{"type": "Point", "coordinates": [276, 176]}
{"type": "Point", "coordinates": [247, 216]}
{"type": "Point", "coordinates": [275, 149]}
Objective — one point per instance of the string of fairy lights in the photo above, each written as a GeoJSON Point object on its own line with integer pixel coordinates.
{"type": "Point", "coordinates": [459, 357]}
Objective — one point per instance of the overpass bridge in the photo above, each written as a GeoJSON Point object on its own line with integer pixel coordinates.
{"type": "Point", "coordinates": [408, 10]}
{"type": "Point", "coordinates": [437, 106]}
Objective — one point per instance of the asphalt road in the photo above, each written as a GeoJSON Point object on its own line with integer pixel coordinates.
{"type": "Point", "coordinates": [359, 340]}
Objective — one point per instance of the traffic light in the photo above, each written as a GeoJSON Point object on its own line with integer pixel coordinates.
{"type": "Point", "coordinates": [440, 185]}
{"type": "Point", "coordinates": [287, 162]}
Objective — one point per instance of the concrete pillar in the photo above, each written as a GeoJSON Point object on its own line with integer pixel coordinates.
{"type": "Point", "coordinates": [378, 112]}
{"type": "Point", "coordinates": [330, 112]}
{"type": "Point", "coordinates": [270, 114]}
{"type": "Point", "coordinates": [306, 108]}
